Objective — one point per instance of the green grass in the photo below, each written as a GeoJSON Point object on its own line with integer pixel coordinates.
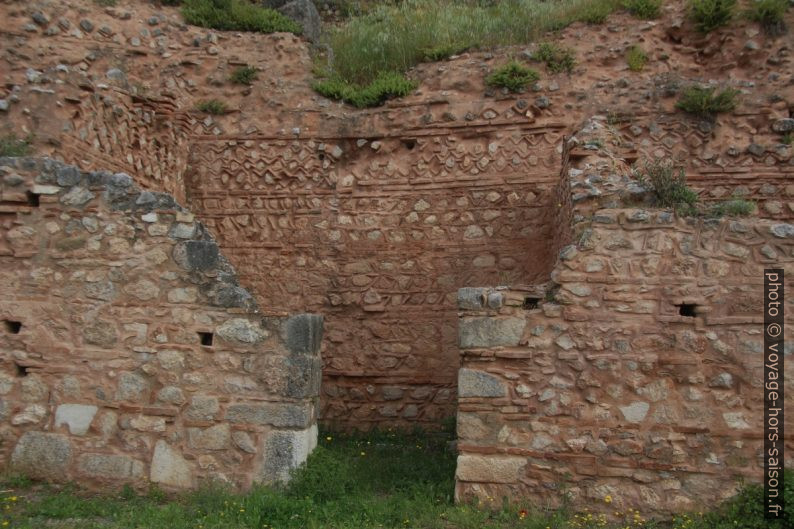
{"type": "Point", "coordinates": [597, 12]}
{"type": "Point", "coordinates": [737, 207]}
{"type": "Point", "coordinates": [787, 139]}
{"type": "Point", "coordinates": [513, 76]}
{"type": "Point", "coordinates": [236, 15]}
{"type": "Point", "coordinates": [709, 15]}
{"type": "Point", "coordinates": [769, 13]}
{"type": "Point", "coordinates": [243, 75]}
{"type": "Point", "coordinates": [387, 85]}
{"type": "Point", "coordinates": [706, 102]}
{"type": "Point", "coordinates": [636, 58]}
{"type": "Point", "coordinates": [394, 38]}
{"type": "Point", "coordinates": [378, 480]}
{"type": "Point", "coordinates": [646, 9]}
{"type": "Point", "coordinates": [212, 106]}
{"type": "Point", "coordinates": [10, 145]}
{"type": "Point", "coordinates": [556, 58]}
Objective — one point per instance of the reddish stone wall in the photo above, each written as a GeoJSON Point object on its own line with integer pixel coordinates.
{"type": "Point", "coordinates": [608, 390]}
{"type": "Point", "coordinates": [377, 234]}
{"type": "Point", "coordinates": [129, 352]}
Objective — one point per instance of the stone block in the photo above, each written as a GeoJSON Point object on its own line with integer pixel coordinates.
{"type": "Point", "coordinates": [473, 383]}
{"type": "Point", "coordinates": [470, 298]}
{"type": "Point", "coordinates": [490, 332]}
{"type": "Point", "coordinates": [170, 468]}
{"type": "Point", "coordinates": [110, 466]}
{"type": "Point", "coordinates": [281, 415]}
{"type": "Point", "coordinates": [304, 374]}
{"type": "Point", "coordinates": [282, 452]}
{"type": "Point", "coordinates": [42, 455]}
{"type": "Point", "coordinates": [217, 437]}
{"type": "Point", "coordinates": [241, 330]}
{"type": "Point", "coordinates": [490, 469]}
{"type": "Point", "coordinates": [303, 333]}
{"type": "Point", "coordinates": [202, 408]}
{"type": "Point", "coordinates": [77, 417]}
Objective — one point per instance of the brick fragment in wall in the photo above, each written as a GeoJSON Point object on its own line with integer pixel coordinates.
{"type": "Point", "coordinates": [167, 340]}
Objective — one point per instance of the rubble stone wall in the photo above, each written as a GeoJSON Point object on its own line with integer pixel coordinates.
{"type": "Point", "coordinates": [129, 353]}
{"type": "Point", "coordinates": [638, 379]}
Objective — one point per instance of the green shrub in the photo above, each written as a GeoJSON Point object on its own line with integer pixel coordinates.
{"type": "Point", "coordinates": [711, 14]}
{"type": "Point", "coordinates": [514, 76]}
{"type": "Point", "coordinates": [212, 106]}
{"type": "Point", "coordinates": [646, 9]}
{"type": "Point", "coordinates": [636, 58]}
{"type": "Point", "coordinates": [668, 184]}
{"type": "Point", "coordinates": [105, 3]}
{"type": "Point", "coordinates": [769, 13]}
{"type": "Point", "coordinates": [597, 12]}
{"type": "Point", "coordinates": [236, 15]}
{"type": "Point", "coordinates": [557, 58]}
{"type": "Point", "coordinates": [788, 138]}
{"type": "Point", "coordinates": [10, 145]}
{"type": "Point", "coordinates": [387, 85]}
{"type": "Point", "coordinates": [704, 102]}
{"type": "Point", "coordinates": [439, 53]}
{"type": "Point", "coordinates": [737, 207]}
{"type": "Point", "coordinates": [243, 75]}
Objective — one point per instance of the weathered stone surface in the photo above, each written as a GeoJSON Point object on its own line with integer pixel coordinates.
{"type": "Point", "coordinates": [284, 451]}
{"type": "Point", "coordinates": [77, 417]}
{"type": "Point", "coordinates": [304, 13]}
{"type": "Point", "coordinates": [470, 298]}
{"type": "Point", "coordinates": [303, 333]}
{"type": "Point", "coordinates": [303, 376]}
{"type": "Point", "coordinates": [42, 455]}
{"type": "Point", "coordinates": [169, 468]}
{"type": "Point", "coordinates": [101, 333]}
{"type": "Point", "coordinates": [132, 387]}
{"type": "Point", "coordinates": [635, 412]}
{"type": "Point", "coordinates": [490, 469]}
{"type": "Point", "coordinates": [216, 437]}
{"type": "Point", "coordinates": [281, 415]}
{"type": "Point", "coordinates": [110, 466]}
{"type": "Point", "coordinates": [202, 408]}
{"type": "Point", "coordinates": [472, 383]}
{"type": "Point", "coordinates": [241, 331]}
{"type": "Point", "coordinates": [244, 442]}
{"type": "Point", "coordinates": [490, 332]}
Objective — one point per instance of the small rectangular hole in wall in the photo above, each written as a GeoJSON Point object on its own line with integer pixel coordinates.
{"type": "Point", "coordinates": [12, 327]}
{"type": "Point", "coordinates": [33, 199]}
{"type": "Point", "coordinates": [22, 371]}
{"type": "Point", "coordinates": [206, 338]}
{"type": "Point", "coordinates": [687, 309]}
{"type": "Point", "coordinates": [531, 303]}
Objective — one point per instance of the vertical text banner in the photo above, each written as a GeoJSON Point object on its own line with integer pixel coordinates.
{"type": "Point", "coordinates": [773, 394]}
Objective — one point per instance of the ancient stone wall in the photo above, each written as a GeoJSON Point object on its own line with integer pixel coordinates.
{"type": "Point", "coordinates": [128, 350]}
{"type": "Point", "coordinates": [377, 233]}
{"type": "Point", "coordinates": [639, 380]}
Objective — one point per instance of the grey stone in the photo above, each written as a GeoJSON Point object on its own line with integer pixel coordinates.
{"type": "Point", "coordinates": [635, 412]}
{"type": "Point", "coordinates": [77, 417]}
{"type": "Point", "coordinates": [490, 332]}
{"type": "Point", "coordinates": [132, 387]}
{"type": "Point", "coordinates": [782, 231]}
{"type": "Point", "coordinates": [116, 75]}
{"type": "Point", "coordinates": [67, 176]}
{"type": "Point", "coordinates": [282, 415]}
{"type": "Point", "coordinates": [755, 149]}
{"type": "Point", "coordinates": [101, 333]}
{"type": "Point", "coordinates": [735, 420]}
{"type": "Point", "coordinates": [110, 466]}
{"type": "Point", "coordinates": [490, 469]}
{"type": "Point", "coordinates": [216, 437]}
{"type": "Point", "coordinates": [392, 393]}
{"type": "Point", "coordinates": [542, 102]}
{"type": "Point", "coordinates": [303, 12]}
{"type": "Point", "coordinates": [32, 414]}
{"type": "Point", "coordinates": [181, 230]}
{"type": "Point", "coordinates": [472, 383]}
{"type": "Point", "coordinates": [231, 296]}
{"type": "Point", "coordinates": [170, 468]}
{"type": "Point", "coordinates": [495, 300]}
{"type": "Point", "coordinates": [202, 408]}
{"type": "Point", "coordinates": [42, 455]}
{"type": "Point", "coordinates": [244, 442]}
{"type": "Point", "coordinates": [40, 18]}
{"type": "Point", "coordinates": [304, 374]}
{"type": "Point", "coordinates": [3, 105]}
{"type": "Point", "coordinates": [86, 25]}
{"type": "Point", "coordinates": [241, 330]}
{"type": "Point", "coordinates": [283, 452]}
{"type": "Point", "coordinates": [303, 333]}
{"type": "Point", "coordinates": [783, 125]}
{"type": "Point", "coordinates": [568, 252]}
{"type": "Point", "coordinates": [171, 395]}
{"type": "Point", "coordinates": [723, 380]}
{"type": "Point", "coordinates": [470, 298]}
{"type": "Point", "coordinates": [77, 196]}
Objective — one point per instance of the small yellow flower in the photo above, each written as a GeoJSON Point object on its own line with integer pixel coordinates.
{"type": "Point", "coordinates": [607, 499]}
{"type": "Point", "coordinates": [363, 453]}
{"type": "Point", "coordinates": [329, 438]}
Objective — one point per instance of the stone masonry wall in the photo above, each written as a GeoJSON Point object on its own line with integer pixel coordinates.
{"type": "Point", "coordinates": [640, 379]}
{"type": "Point", "coordinates": [128, 351]}
{"type": "Point", "coordinates": [377, 233]}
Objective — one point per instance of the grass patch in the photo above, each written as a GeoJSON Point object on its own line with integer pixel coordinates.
{"type": "Point", "coordinates": [646, 9]}
{"type": "Point", "coordinates": [377, 480]}
{"type": "Point", "coordinates": [706, 102]}
{"type": "Point", "coordinates": [385, 86]}
{"type": "Point", "coordinates": [105, 3]}
{"type": "Point", "coordinates": [668, 184]}
{"type": "Point", "coordinates": [394, 38]}
{"type": "Point", "coordinates": [513, 76]}
{"type": "Point", "coordinates": [597, 12]}
{"type": "Point", "coordinates": [556, 58]}
{"type": "Point", "coordinates": [709, 15]}
{"type": "Point", "coordinates": [636, 58]}
{"type": "Point", "coordinates": [737, 207]}
{"type": "Point", "coordinates": [10, 145]}
{"type": "Point", "coordinates": [243, 75]}
{"type": "Point", "coordinates": [769, 13]}
{"type": "Point", "coordinates": [787, 139]}
{"type": "Point", "coordinates": [236, 15]}
{"type": "Point", "coordinates": [212, 106]}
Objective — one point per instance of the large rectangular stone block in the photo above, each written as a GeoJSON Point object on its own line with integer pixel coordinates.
{"type": "Point", "coordinates": [283, 451]}
{"type": "Point", "coordinates": [490, 469]}
{"type": "Point", "coordinates": [490, 332]}
{"type": "Point", "coordinates": [281, 415]}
